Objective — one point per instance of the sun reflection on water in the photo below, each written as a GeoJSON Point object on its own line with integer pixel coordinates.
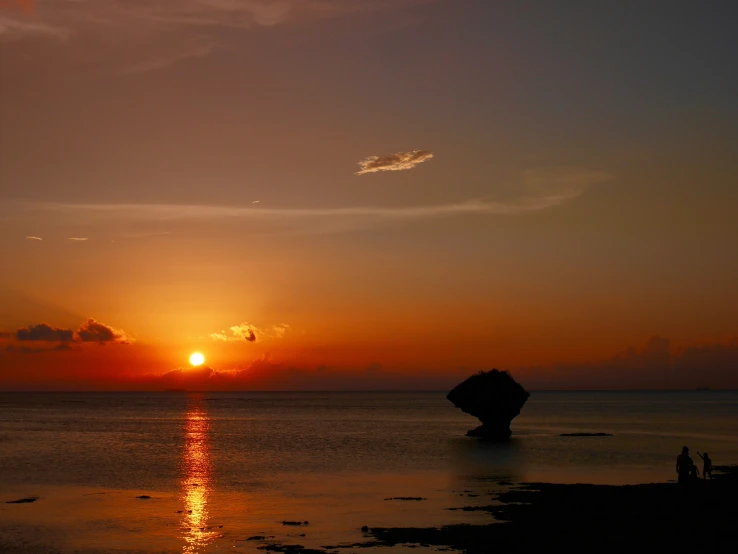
{"type": "Point", "coordinates": [196, 470]}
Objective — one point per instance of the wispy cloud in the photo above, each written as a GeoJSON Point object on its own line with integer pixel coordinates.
{"type": "Point", "coordinates": [399, 161]}
{"type": "Point", "coordinates": [13, 29]}
{"type": "Point", "coordinates": [168, 31]}
{"type": "Point", "coordinates": [538, 189]}
{"type": "Point", "coordinates": [34, 238]}
{"type": "Point", "coordinates": [163, 61]}
{"type": "Point", "coordinates": [78, 238]}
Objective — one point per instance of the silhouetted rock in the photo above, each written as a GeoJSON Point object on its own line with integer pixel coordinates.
{"type": "Point", "coordinates": [493, 397]}
{"type": "Point", "coordinates": [144, 497]}
{"type": "Point", "coordinates": [586, 435]}
{"type": "Point", "coordinates": [418, 498]}
{"type": "Point", "coordinates": [295, 523]}
{"type": "Point", "coordinates": [27, 500]}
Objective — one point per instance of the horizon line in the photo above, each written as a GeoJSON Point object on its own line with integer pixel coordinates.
{"type": "Point", "coordinates": [176, 390]}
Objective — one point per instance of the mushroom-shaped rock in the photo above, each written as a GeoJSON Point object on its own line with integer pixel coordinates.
{"type": "Point", "coordinates": [493, 397]}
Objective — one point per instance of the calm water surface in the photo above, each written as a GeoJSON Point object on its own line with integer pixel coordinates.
{"type": "Point", "coordinates": [223, 467]}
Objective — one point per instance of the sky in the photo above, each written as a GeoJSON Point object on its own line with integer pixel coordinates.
{"type": "Point", "coordinates": [368, 194]}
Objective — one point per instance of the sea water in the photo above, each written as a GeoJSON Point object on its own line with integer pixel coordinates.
{"type": "Point", "coordinates": [221, 468]}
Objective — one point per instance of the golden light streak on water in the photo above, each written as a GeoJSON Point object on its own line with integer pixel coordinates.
{"type": "Point", "coordinates": [196, 477]}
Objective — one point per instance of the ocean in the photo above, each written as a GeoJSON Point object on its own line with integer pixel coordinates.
{"type": "Point", "coordinates": [222, 468]}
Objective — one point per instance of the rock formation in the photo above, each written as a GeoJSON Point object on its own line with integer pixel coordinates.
{"type": "Point", "coordinates": [493, 397]}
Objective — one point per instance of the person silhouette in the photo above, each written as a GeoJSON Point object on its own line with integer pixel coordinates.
{"type": "Point", "coordinates": [683, 466]}
{"type": "Point", "coordinates": [707, 465]}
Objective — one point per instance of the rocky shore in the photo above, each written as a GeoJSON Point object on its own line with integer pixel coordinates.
{"type": "Point", "coordinates": [543, 517]}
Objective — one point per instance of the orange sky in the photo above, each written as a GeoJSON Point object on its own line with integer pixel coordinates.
{"type": "Point", "coordinates": [174, 170]}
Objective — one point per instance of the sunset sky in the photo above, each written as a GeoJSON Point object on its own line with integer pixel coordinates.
{"type": "Point", "coordinates": [320, 194]}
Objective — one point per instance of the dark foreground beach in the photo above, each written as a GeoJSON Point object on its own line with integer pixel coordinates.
{"type": "Point", "coordinates": [545, 517]}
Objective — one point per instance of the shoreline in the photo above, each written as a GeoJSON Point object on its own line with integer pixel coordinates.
{"type": "Point", "coordinates": [655, 517]}
{"type": "Point", "coordinates": [547, 517]}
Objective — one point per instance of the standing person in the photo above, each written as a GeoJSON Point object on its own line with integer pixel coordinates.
{"type": "Point", "coordinates": [683, 465]}
{"type": "Point", "coordinates": [707, 465]}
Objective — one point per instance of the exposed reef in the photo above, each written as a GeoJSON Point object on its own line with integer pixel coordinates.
{"type": "Point", "coordinates": [495, 398]}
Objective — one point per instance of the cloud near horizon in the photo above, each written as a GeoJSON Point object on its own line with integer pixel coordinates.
{"type": "Point", "coordinates": [266, 374]}
{"type": "Point", "coordinates": [656, 364]}
{"type": "Point", "coordinates": [90, 331]}
{"type": "Point", "coordinates": [95, 331]}
{"type": "Point", "coordinates": [44, 332]}
{"type": "Point", "coordinates": [399, 161]}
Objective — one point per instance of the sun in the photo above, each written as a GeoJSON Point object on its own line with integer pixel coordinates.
{"type": "Point", "coordinates": [197, 359]}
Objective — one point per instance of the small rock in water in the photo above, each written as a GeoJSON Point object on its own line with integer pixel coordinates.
{"type": "Point", "coordinates": [27, 500]}
{"type": "Point", "coordinates": [257, 538]}
{"type": "Point", "coordinates": [295, 523]}
{"type": "Point", "coordinates": [406, 498]}
{"type": "Point", "coordinates": [144, 497]}
{"type": "Point", "coordinates": [365, 529]}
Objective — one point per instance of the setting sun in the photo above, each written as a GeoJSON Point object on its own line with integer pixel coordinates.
{"type": "Point", "coordinates": [197, 359]}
